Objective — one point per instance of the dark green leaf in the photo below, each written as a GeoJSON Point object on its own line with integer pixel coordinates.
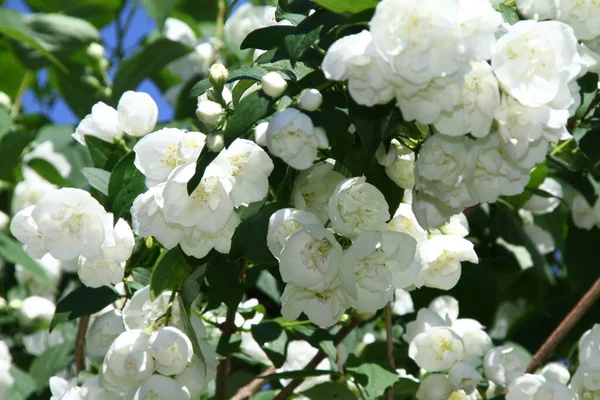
{"type": "Point", "coordinates": [255, 73]}
{"type": "Point", "coordinates": [189, 329]}
{"type": "Point", "coordinates": [406, 387]}
{"type": "Point", "coordinates": [249, 240]}
{"type": "Point", "coordinates": [146, 62]}
{"type": "Point", "coordinates": [5, 121]}
{"type": "Point", "coordinates": [81, 302]}
{"type": "Point", "coordinates": [308, 32]}
{"type": "Point", "coordinates": [104, 155]}
{"type": "Point", "coordinates": [249, 110]}
{"type": "Point", "coordinates": [204, 160]}
{"type": "Point", "coordinates": [47, 171]}
{"type": "Point", "coordinates": [271, 337]}
{"type": "Point", "coordinates": [159, 10]}
{"type": "Point", "coordinates": [347, 6]}
{"type": "Point", "coordinates": [169, 272]}
{"type": "Point", "coordinates": [268, 285]}
{"type": "Point", "coordinates": [510, 14]}
{"type": "Point", "coordinates": [224, 283]}
{"type": "Point", "coordinates": [98, 12]}
{"type": "Point", "coordinates": [11, 147]}
{"type": "Point", "coordinates": [53, 360]}
{"type": "Point", "coordinates": [199, 88]}
{"type": "Point", "coordinates": [125, 184]}
{"type": "Point", "coordinates": [13, 252]}
{"type": "Point", "coordinates": [329, 390]}
{"type": "Point", "coordinates": [590, 143]}
{"type": "Point", "coordinates": [372, 377]}
{"type": "Point", "coordinates": [267, 38]}
{"type": "Point", "coordinates": [23, 387]}
{"type": "Point", "coordinates": [97, 178]}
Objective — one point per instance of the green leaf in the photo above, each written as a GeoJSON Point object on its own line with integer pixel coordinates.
{"type": "Point", "coordinates": [47, 171]}
{"type": "Point", "coordinates": [81, 302]}
{"type": "Point", "coordinates": [97, 178]}
{"type": "Point", "coordinates": [104, 155]}
{"type": "Point", "coordinates": [590, 143]}
{"type": "Point", "coordinates": [125, 184]}
{"type": "Point", "coordinates": [200, 88]}
{"type": "Point", "coordinates": [249, 240]}
{"type": "Point", "coordinates": [308, 32]}
{"type": "Point", "coordinates": [53, 360]}
{"type": "Point", "coordinates": [255, 73]}
{"type": "Point", "coordinates": [204, 160]}
{"type": "Point", "coordinates": [189, 329]}
{"type": "Point", "coordinates": [272, 338]}
{"type": "Point", "coordinates": [224, 283]}
{"type": "Point", "coordinates": [372, 377]}
{"type": "Point", "coordinates": [537, 176]}
{"type": "Point", "coordinates": [268, 285]}
{"type": "Point", "coordinates": [406, 387]}
{"type": "Point", "coordinates": [11, 147]}
{"type": "Point", "coordinates": [97, 12]}
{"type": "Point", "coordinates": [23, 387]}
{"type": "Point", "coordinates": [145, 63]}
{"type": "Point", "coordinates": [169, 272]}
{"type": "Point", "coordinates": [13, 252]}
{"type": "Point", "coordinates": [510, 14]}
{"type": "Point", "coordinates": [5, 121]}
{"type": "Point", "coordinates": [267, 38]}
{"type": "Point", "coordinates": [160, 10]}
{"type": "Point", "coordinates": [249, 110]}
{"type": "Point", "coordinates": [329, 390]}
{"type": "Point", "coordinates": [347, 6]}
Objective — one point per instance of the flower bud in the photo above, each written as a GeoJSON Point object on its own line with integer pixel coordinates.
{"type": "Point", "coordinates": [557, 372]}
{"type": "Point", "coordinates": [103, 331]}
{"type": "Point", "coordinates": [3, 304]}
{"type": "Point", "coordinates": [310, 99]}
{"type": "Point", "coordinates": [172, 350]}
{"type": "Point", "coordinates": [95, 51]}
{"type": "Point", "coordinates": [209, 112]}
{"type": "Point", "coordinates": [273, 84]}
{"type": "Point", "coordinates": [35, 308]}
{"type": "Point", "coordinates": [215, 141]}
{"type": "Point", "coordinates": [5, 101]}
{"type": "Point", "coordinates": [15, 304]}
{"type": "Point", "coordinates": [138, 113]}
{"type": "Point", "coordinates": [4, 220]}
{"type": "Point", "coordinates": [218, 74]}
{"type": "Point", "coordinates": [260, 133]}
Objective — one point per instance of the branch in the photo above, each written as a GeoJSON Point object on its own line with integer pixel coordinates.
{"type": "Point", "coordinates": [221, 11]}
{"type": "Point", "coordinates": [389, 344]}
{"type": "Point", "coordinates": [82, 328]}
{"type": "Point", "coordinates": [27, 78]}
{"type": "Point", "coordinates": [565, 327]}
{"type": "Point", "coordinates": [227, 329]}
{"type": "Point", "coordinates": [316, 360]}
{"type": "Point", "coordinates": [251, 388]}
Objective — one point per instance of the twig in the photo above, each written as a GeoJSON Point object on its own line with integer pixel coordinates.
{"type": "Point", "coordinates": [27, 78]}
{"type": "Point", "coordinates": [251, 388]}
{"type": "Point", "coordinates": [227, 329]}
{"type": "Point", "coordinates": [340, 358]}
{"type": "Point", "coordinates": [565, 326]}
{"type": "Point", "coordinates": [221, 11]}
{"type": "Point", "coordinates": [82, 328]}
{"type": "Point", "coordinates": [389, 344]}
{"type": "Point", "coordinates": [320, 356]}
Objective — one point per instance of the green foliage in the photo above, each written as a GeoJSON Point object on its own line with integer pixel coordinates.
{"type": "Point", "coordinates": [169, 272]}
{"type": "Point", "coordinates": [97, 178]}
{"type": "Point", "coordinates": [249, 110]}
{"type": "Point", "coordinates": [12, 251]}
{"type": "Point", "coordinates": [81, 302]}
{"type": "Point", "coordinates": [349, 6]}
{"type": "Point", "coordinates": [125, 184]}
{"type": "Point", "coordinates": [53, 360]}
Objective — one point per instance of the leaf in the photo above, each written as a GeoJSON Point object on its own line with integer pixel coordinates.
{"type": "Point", "coordinates": [372, 377]}
{"type": "Point", "coordinates": [11, 147]}
{"type": "Point", "coordinates": [159, 10]}
{"type": "Point", "coordinates": [590, 143]}
{"type": "Point", "coordinates": [537, 176]}
{"type": "Point", "coordinates": [125, 184]}
{"type": "Point", "coordinates": [97, 178]}
{"type": "Point", "coordinates": [308, 32]}
{"type": "Point", "coordinates": [169, 272]}
{"type": "Point", "coordinates": [249, 240]}
{"type": "Point", "coordinates": [97, 12]}
{"type": "Point", "coordinates": [189, 329]}
{"type": "Point", "coordinates": [510, 14]}
{"type": "Point", "coordinates": [104, 155]}
{"type": "Point", "coordinates": [255, 73]}
{"type": "Point", "coordinates": [5, 121]}
{"type": "Point", "coordinates": [204, 160]}
{"type": "Point", "coordinates": [224, 283]}
{"type": "Point", "coordinates": [347, 6]}
{"type": "Point", "coordinates": [200, 88]}
{"type": "Point", "coordinates": [268, 285]}
{"type": "Point", "coordinates": [271, 337]}
{"type": "Point", "coordinates": [267, 38]}
{"type": "Point", "coordinates": [23, 387]}
{"type": "Point", "coordinates": [81, 302]}
{"type": "Point", "coordinates": [329, 390]}
{"type": "Point", "coordinates": [53, 360]}
{"type": "Point", "coordinates": [47, 171]}
{"type": "Point", "coordinates": [406, 387]}
{"type": "Point", "coordinates": [13, 252]}
{"type": "Point", "coordinates": [249, 110]}
{"type": "Point", "coordinates": [145, 63]}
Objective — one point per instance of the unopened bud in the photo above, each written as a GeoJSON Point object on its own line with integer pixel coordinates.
{"type": "Point", "coordinates": [95, 51]}
{"type": "Point", "coordinates": [273, 84]}
{"type": "Point", "coordinates": [260, 134]}
{"type": "Point", "coordinates": [15, 304]}
{"type": "Point", "coordinates": [218, 74]}
{"type": "Point", "coordinates": [215, 141]}
{"type": "Point", "coordinates": [310, 99]}
{"type": "Point", "coordinates": [5, 101]}
{"type": "Point", "coordinates": [3, 304]}
{"type": "Point", "coordinates": [209, 112]}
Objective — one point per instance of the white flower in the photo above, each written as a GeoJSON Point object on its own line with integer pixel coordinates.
{"type": "Point", "coordinates": [4, 221]}
{"type": "Point", "coordinates": [282, 224]}
{"type": "Point", "coordinates": [246, 19]}
{"type": "Point", "coordinates": [441, 257]}
{"type": "Point", "coordinates": [215, 141]}
{"type": "Point", "coordinates": [538, 9]}
{"type": "Point", "coordinates": [198, 243]}
{"type": "Point", "coordinates": [25, 230]}
{"type": "Point", "coordinates": [178, 31]}
{"type": "Point", "coordinates": [324, 308]}
{"type": "Point", "coordinates": [208, 207]}
{"type": "Point", "coordinates": [209, 112]}
{"type": "Point", "coordinates": [403, 303]}
{"type": "Point", "coordinates": [218, 74]}
{"type": "Point", "coordinates": [426, 319]}
{"type": "Point", "coordinates": [250, 168]}
{"type": "Point", "coordinates": [292, 137]}
{"type": "Point", "coordinates": [260, 134]}
{"type": "Point", "coordinates": [273, 84]}
{"type": "Point", "coordinates": [127, 362]}
{"type": "Point", "coordinates": [436, 349]}
{"type": "Point", "coordinates": [534, 61]}
{"type": "Point", "coordinates": [544, 205]}
{"type": "Point", "coordinates": [464, 376]}
{"type": "Point", "coordinates": [138, 113]}
{"type": "Point", "coordinates": [298, 355]}
{"type": "Point", "coordinates": [399, 164]}
{"type": "Point", "coordinates": [159, 153]}
{"type": "Point", "coordinates": [33, 282]}
{"type": "Point", "coordinates": [429, 211]}
{"type": "Point", "coordinates": [102, 122]}
{"type": "Point", "coordinates": [369, 265]}
{"type": "Point", "coordinates": [355, 59]}
{"type": "Point", "coordinates": [589, 347]}
{"type": "Point", "coordinates": [456, 226]}
{"type": "Point", "coordinates": [445, 306]}
{"type": "Point", "coordinates": [435, 387]}
{"type": "Point", "coordinates": [313, 188]}
{"type": "Point", "coordinates": [503, 364]}
{"type": "Point", "coordinates": [477, 342]}
{"type": "Point", "coordinates": [310, 99]}
{"type": "Point", "coordinates": [6, 379]}
{"type": "Point", "coordinates": [172, 350]}
{"type": "Point", "coordinates": [61, 389]}
{"type": "Point", "coordinates": [199, 374]}
{"type": "Point", "coordinates": [45, 151]}
{"type": "Point", "coordinates": [92, 389]}
{"type": "Point", "coordinates": [478, 22]}
{"type": "Point", "coordinates": [36, 309]}
{"type": "Point", "coordinates": [529, 387]}
{"type": "Point", "coordinates": [5, 101]}
{"type": "Point", "coordinates": [582, 16]}
{"type": "Point", "coordinates": [586, 382]}
{"type": "Point", "coordinates": [557, 372]}
{"type": "Point", "coordinates": [158, 387]}
{"type": "Point", "coordinates": [583, 214]}
{"type": "Point", "coordinates": [311, 258]}
{"type": "Point", "coordinates": [479, 99]}
{"type": "Point", "coordinates": [357, 207]}
{"type": "Point", "coordinates": [148, 219]}
{"type": "Point", "coordinates": [30, 190]}
{"type": "Point", "coordinates": [104, 329]}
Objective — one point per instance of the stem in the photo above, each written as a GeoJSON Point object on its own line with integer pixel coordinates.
{"type": "Point", "coordinates": [170, 307]}
{"type": "Point", "coordinates": [390, 345]}
{"type": "Point", "coordinates": [561, 146]}
{"type": "Point", "coordinates": [82, 328]}
{"type": "Point", "coordinates": [565, 327]}
{"type": "Point", "coordinates": [340, 360]}
{"type": "Point", "coordinates": [227, 328]}
{"type": "Point", "coordinates": [27, 78]}
{"type": "Point", "coordinates": [320, 356]}
{"type": "Point", "coordinates": [251, 388]}
{"type": "Point", "coordinates": [221, 11]}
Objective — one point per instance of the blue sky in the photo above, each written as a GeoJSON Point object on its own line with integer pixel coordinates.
{"type": "Point", "coordinates": [141, 25]}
